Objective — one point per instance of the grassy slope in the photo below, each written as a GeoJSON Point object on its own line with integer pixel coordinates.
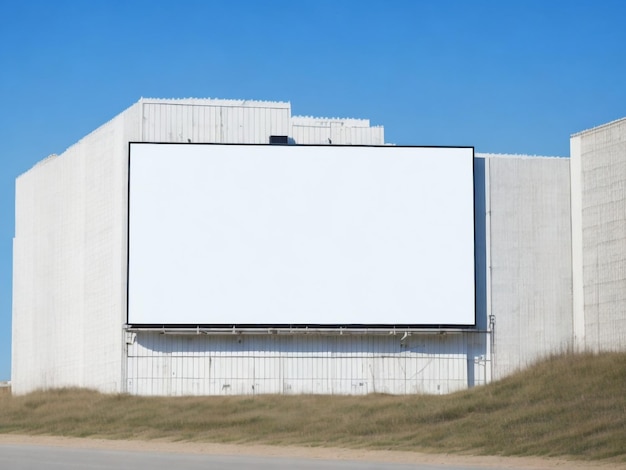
{"type": "Point", "coordinates": [570, 406]}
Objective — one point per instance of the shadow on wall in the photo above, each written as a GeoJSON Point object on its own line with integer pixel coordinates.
{"type": "Point", "coordinates": [478, 351]}
{"type": "Point", "coordinates": [480, 244]}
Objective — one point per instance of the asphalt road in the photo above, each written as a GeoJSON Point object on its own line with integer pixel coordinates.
{"type": "Point", "coordinates": [29, 457]}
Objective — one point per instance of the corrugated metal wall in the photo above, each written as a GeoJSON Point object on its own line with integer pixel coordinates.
{"type": "Point", "coordinates": [214, 121]}
{"type": "Point", "coordinates": [322, 131]}
{"type": "Point", "coordinates": [163, 364]}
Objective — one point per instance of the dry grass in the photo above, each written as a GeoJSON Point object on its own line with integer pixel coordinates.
{"type": "Point", "coordinates": [569, 406]}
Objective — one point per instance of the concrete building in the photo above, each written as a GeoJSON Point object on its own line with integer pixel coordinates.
{"type": "Point", "coordinates": [70, 275]}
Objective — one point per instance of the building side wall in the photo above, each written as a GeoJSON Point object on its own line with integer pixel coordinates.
{"type": "Point", "coordinates": [69, 269]}
{"type": "Point", "coordinates": [530, 259]}
{"type": "Point", "coordinates": [603, 223]}
{"type": "Point", "coordinates": [162, 364]}
{"type": "Point", "coordinates": [45, 340]}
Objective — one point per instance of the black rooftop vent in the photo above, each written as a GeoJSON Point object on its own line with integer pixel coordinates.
{"type": "Point", "coordinates": [279, 139]}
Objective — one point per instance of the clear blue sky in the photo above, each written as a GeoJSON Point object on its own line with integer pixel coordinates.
{"type": "Point", "coordinates": [503, 76]}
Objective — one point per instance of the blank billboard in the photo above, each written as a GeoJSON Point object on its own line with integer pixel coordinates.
{"type": "Point", "coordinates": [223, 235]}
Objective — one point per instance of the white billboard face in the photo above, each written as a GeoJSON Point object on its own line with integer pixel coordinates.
{"type": "Point", "coordinates": [300, 235]}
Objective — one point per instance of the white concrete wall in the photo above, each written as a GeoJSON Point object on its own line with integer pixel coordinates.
{"type": "Point", "coordinates": [530, 258]}
{"type": "Point", "coordinates": [69, 294]}
{"type": "Point", "coordinates": [599, 176]}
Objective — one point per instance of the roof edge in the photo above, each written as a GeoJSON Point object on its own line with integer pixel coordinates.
{"type": "Point", "coordinates": [518, 155]}
{"type": "Point", "coordinates": [607, 124]}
